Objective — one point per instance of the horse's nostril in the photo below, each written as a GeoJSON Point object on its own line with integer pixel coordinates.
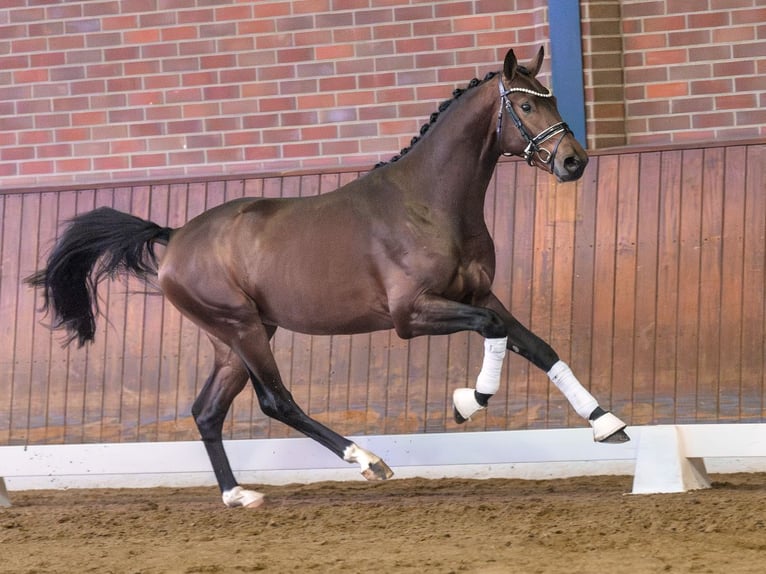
{"type": "Point", "coordinates": [575, 165]}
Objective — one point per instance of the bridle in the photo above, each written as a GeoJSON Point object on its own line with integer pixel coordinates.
{"type": "Point", "coordinates": [534, 150]}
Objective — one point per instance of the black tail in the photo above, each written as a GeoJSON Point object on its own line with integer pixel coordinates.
{"type": "Point", "coordinates": [100, 243]}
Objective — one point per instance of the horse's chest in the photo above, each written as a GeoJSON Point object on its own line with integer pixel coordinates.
{"type": "Point", "coordinates": [451, 273]}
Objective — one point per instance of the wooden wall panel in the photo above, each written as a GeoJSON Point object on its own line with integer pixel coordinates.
{"type": "Point", "coordinates": [648, 276]}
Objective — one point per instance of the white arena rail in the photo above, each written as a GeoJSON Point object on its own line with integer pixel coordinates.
{"type": "Point", "coordinates": [663, 458]}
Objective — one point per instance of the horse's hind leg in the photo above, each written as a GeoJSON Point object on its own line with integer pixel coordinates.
{"type": "Point", "coordinates": [277, 402]}
{"type": "Point", "coordinates": [225, 382]}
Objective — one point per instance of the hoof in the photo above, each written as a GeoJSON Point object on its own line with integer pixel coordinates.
{"type": "Point", "coordinates": [616, 438]}
{"type": "Point", "coordinates": [377, 471]}
{"type": "Point", "coordinates": [464, 405]}
{"type": "Point", "coordinates": [239, 497]}
{"type": "Point", "coordinates": [457, 416]}
{"type": "Point", "coordinates": [609, 429]}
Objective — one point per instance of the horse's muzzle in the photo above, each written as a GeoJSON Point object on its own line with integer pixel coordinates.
{"type": "Point", "coordinates": [570, 168]}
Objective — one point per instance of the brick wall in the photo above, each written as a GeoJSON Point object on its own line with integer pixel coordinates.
{"type": "Point", "coordinates": [602, 68]}
{"type": "Point", "coordinates": [694, 69]}
{"type": "Point", "coordinates": [109, 90]}
{"type": "Point", "coordinates": [126, 89]}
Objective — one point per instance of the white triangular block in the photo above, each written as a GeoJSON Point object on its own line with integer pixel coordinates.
{"type": "Point", "coordinates": [662, 466]}
{"type": "Point", "coordinates": [4, 500]}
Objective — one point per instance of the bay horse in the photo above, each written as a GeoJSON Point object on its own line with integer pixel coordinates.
{"type": "Point", "coordinates": [404, 247]}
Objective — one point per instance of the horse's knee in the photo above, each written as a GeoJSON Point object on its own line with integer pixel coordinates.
{"type": "Point", "coordinates": [278, 406]}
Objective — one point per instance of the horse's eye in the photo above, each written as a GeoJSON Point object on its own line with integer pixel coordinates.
{"type": "Point", "coordinates": [526, 107]}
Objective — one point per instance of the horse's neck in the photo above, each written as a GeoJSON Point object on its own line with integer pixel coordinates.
{"type": "Point", "coordinates": [453, 164]}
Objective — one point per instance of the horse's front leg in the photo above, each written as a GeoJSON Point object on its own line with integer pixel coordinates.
{"type": "Point", "coordinates": [434, 315]}
{"type": "Point", "coordinates": [606, 426]}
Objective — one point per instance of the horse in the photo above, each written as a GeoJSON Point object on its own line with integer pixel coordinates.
{"type": "Point", "coordinates": [403, 247]}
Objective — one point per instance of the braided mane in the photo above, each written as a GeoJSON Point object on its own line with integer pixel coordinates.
{"type": "Point", "coordinates": [434, 116]}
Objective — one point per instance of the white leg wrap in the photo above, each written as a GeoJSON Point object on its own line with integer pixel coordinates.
{"type": "Point", "coordinates": [580, 399]}
{"type": "Point", "coordinates": [238, 496]}
{"type": "Point", "coordinates": [488, 381]}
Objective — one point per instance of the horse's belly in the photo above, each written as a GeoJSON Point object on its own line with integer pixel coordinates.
{"type": "Point", "coordinates": [326, 304]}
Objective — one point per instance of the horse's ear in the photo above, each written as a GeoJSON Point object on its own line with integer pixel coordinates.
{"type": "Point", "coordinates": [537, 63]}
{"type": "Point", "coordinates": [509, 67]}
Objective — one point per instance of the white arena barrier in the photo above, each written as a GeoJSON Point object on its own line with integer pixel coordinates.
{"type": "Point", "coordinates": [663, 458]}
{"type": "Point", "coordinates": [4, 499]}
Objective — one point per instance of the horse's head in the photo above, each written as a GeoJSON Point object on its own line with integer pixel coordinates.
{"type": "Point", "coordinates": [539, 136]}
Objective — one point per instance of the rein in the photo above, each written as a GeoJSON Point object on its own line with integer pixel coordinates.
{"type": "Point", "coordinates": [534, 149]}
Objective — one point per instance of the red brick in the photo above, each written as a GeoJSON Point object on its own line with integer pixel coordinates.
{"type": "Point", "coordinates": [111, 163]}
{"type": "Point", "coordinates": [54, 150]}
{"type": "Point", "coordinates": [147, 160]}
{"type": "Point", "coordinates": [311, 6]}
{"type": "Point", "coordinates": [88, 118]}
{"type": "Point", "coordinates": [161, 19]}
{"type": "Point", "coordinates": [395, 31]}
{"type": "Point", "coordinates": [303, 149]}
{"type": "Point", "coordinates": [146, 36]}
{"type": "Point", "coordinates": [665, 57]}
{"type": "Point", "coordinates": [455, 42]}
{"type": "Point", "coordinates": [733, 34]}
{"type": "Point", "coordinates": [266, 152]}
{"type": "Point", "coordinates": [184, 127]}
{"type": "Point", "coordinates": [754, 16]}
{"type": "Point", "coordinates": [272, 9]}
{"type": "Point", "coordinates": [321, 133]}
{"type": "Point", "coordinates": [289, 55]}
{"type": "Point", "coordinates": [374, 17]}
{"type": "Point", "coordinates": [667, 90]}
{"type": "Point", "coordinates": [714, 86]}
{"type": "Point", "coordinates": [237, 12]}
{"type": "Point", "coordinates": [35, 137]}
{"type": "Point", "coordinates": [17, 153]}
{"type": "Point", "coordinates": [196, 16]}
{"type": "Point", "coordinates": [179, 33]}
{"type": "Point", "coordinates": [203, 78]}
{"type": "Point", "coordinates": [201, 110]}
{"type": "Point", "coordinates": [713, 120]}
{"type": "Point", "coordinates": [356, 34]}
{"type": "Point", "coordinates": [218, 61]}
{"type": "Point", "coordinates": [736, 102]}
{"type": "Point", "coordinates": [35, 167]}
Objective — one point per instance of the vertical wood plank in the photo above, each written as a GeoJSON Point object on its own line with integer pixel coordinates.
{"type": "Point", "coordinates": [584, 262]}
{"type": "Point", "coordinates": [559, 412]}
{"type": "Point", "coordinates": [645, 327]}
{"type": "Point", "coordinates": [25, 316]}
{"type": "Point", "coordinates": [754, 289]}
{"type": "Point", "coordinates": [710, 304]}
{"type": "Point", "coordinates": [542, 284]}
{"type": "Point", "coordinates": [732, 276]}
{"type": "Point", "coordinates": [43, 341]}
{"type": "Point", "coordinates": [625, 286]}
{"type": "Point", "coordinates": [602, 352]}
{"type": "Point", "coordinates": [667, 287]}
{"type": "Point", "coordinates": [688, 286]}
{"type": "Point", "coordinates": [114, 336]}
{"type": "Point", "coordinates": [11, 245]}
{"type": "Point", "coordinates": [500, 214]}
{"type": "Point", "coordinates": [521, 291]}
{"type": "Point", "coordinates": [5, 360]}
